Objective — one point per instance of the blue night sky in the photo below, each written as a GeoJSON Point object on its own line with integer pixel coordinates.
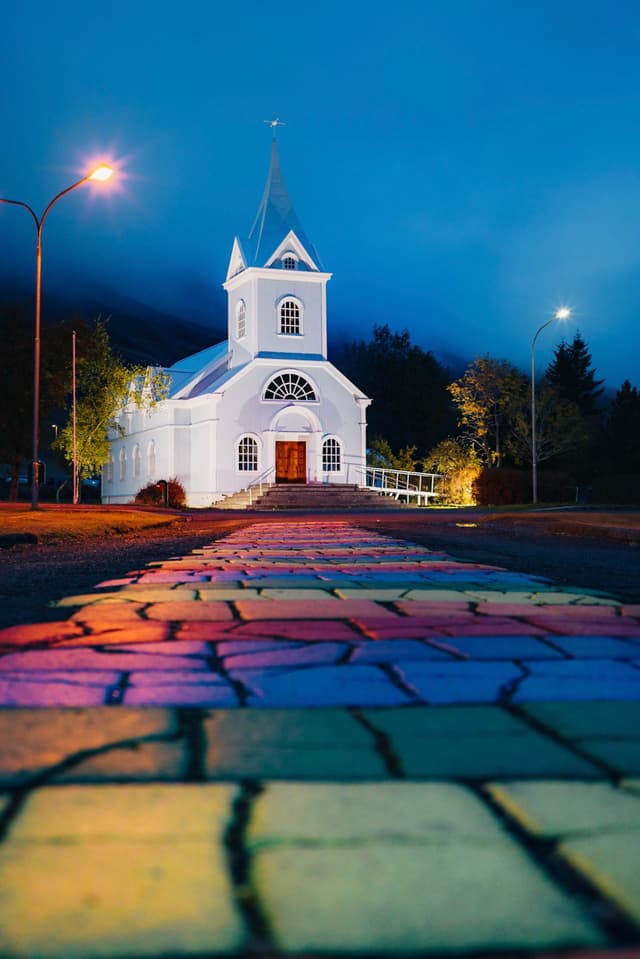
{"type": "Point", "coordinates": [463, 167]}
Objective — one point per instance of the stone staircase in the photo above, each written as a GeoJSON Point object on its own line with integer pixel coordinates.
{"type": "Point", "coordinates": [311, 496]}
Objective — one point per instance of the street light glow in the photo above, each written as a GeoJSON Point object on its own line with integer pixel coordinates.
{"type": "Point", "coordinates": [563, 313]}
{"type": "Point", "coordinates": [103, 172]}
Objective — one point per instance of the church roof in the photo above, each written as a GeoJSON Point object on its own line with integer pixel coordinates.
{"type": "Point", "coordinates": [275, 218]}
{"type": "Point", "coordinates": [188, 374]}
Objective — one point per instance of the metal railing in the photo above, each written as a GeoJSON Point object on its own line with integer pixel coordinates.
{"type": "Point", "coordinates": [401, 484]}
{"type": "Point", "coordinates": [255, 488]}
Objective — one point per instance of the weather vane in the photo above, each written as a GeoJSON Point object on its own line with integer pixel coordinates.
{"type": "Point", "coordinates": [274, 124]}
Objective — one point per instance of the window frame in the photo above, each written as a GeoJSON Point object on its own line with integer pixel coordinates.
{"type": "Point", "coordinates": [242, 456]}
{"type": "Point", "coordinates": [241, 319]}
{"type": "Point", "coordinates": [302, 380]}
{"type": "Point", "coordinates": [289, 301]}
{"type": "Point", "coordinates": [332, 462]}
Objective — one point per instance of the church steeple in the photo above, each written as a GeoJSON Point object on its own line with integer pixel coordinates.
{"type": "Point", "coordinates": [275, 219]}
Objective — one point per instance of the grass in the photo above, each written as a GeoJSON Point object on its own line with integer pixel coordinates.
{"type": "Point", "coordinates": [55, 523]}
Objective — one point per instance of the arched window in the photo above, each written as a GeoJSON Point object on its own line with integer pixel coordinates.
{"type": "Point", "coordinates": [331, 456]}
{"type": "Point", "coordinates": [123, 464]}
{"type": "Point", "coordinates": [108, 470]}
{"type": "Point", "coordinates": [241, 320]}
{"type": "Point", "coordinates": [248, 455]}
{"type": "Point", "coordinates": [137, 461]}
{"type": "Point", "coordinates": [288, 262]}
{"type": "Point", "coordinates": [290, 386]}
{"type": "Point", "coordinates": [151, 459]}
{"type": "Point", "coordinates": [290, 322]}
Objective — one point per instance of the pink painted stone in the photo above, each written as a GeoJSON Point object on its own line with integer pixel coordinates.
{"type": "Point", "coordinates": [190, 609]}
{"type": "Point", "coordinates": [424, 611]}
{"type": "Point", "coordinates": [566, 626]}
{"type": "Point", "coordinates": [299, 630]}
{"type": "Point", "coordinates": [208, 631]}
{"type": "Point", "coordinates": [39, 633]}
{"type": "Point", "coordinates": [399, 629]}
{"type": "Point", "coordinates": [318, 609]}
{"type": "Point", "coordinates": [494, 627]}
{"type": "Point", "coordinates": [139, 633]}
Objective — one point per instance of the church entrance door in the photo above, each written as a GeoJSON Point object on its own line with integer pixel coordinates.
{"type": "Point", "coordinates": [291, 462]}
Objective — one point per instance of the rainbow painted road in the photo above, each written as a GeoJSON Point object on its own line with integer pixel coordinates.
{"type": "Point", "coordinates": [292, 614]}
{"type": "Point", "coordinates": [311, 739]}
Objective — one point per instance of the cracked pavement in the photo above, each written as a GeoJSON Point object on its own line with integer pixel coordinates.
{"type": "Point", "coordinates": [311, 738]}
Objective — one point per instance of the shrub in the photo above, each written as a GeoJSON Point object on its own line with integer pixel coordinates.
{"type": "Point", "coordinates": [498, 487]}
{"type": "Point", "coordinates": [153, 494]}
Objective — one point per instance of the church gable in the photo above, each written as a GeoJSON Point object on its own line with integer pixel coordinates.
{"type": "Point", "coordinates": [237, 261]}
{"type": "Point", "coordinates": [291, 255]}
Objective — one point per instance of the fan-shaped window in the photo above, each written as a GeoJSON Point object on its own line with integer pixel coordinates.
{"type": "Point", "coordinates": [290, 319]}
{"type": "Point", "coordinates": [331, 459]}
{"type": "Point", "coordinates": [290, 386]}
{"type": "Point", "coordinates": [123, 464]}
{"type": "Point", "coordinates": [241, 320]}
{"type": "Point", "coordinates": [288, 262]}
{"type": "Point", "coordinates": [248, 455]}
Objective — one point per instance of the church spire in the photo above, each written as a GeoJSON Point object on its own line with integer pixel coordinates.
{"type": "Point", "coordinates": [275, 217]}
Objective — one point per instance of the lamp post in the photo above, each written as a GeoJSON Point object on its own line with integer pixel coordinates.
{"type": "Point", "coordinates": [562, 314]}
{"type": "Point", "coordinates": [101, 172]}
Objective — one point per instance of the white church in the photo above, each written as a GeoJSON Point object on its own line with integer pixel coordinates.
{"type": "Point", "coordinates": [265, 405]}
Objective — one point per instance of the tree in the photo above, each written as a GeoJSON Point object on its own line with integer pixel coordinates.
{"type": "Point", "coordinates": [104, 386]}
{"type": "Point", "coordinates": [484, 395]}
{"type": "Point", "coordinates": [408, 386]}
{"type": "Point", "coordinates": [16, 383]}
{"type": "Point", "coordinates": [382, 456]}
{"type": "Point", "coordinates": [623, 430]}
{"type": "Point", "coordinates": [457, 461]}
{"type": "Point", "coordinates": [559, 424]}
{"type": "Point", "coordinates": [571, 373]}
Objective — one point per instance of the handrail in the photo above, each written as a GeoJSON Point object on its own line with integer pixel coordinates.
{"type": "Point", "coordinates": [259, 481]}
{"type": "Point", "coordinates": [398, 483]}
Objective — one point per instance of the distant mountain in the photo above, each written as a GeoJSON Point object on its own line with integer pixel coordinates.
{"type": "Point", "coordinates": [139, 333]}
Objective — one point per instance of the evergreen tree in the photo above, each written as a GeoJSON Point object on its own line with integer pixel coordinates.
{"type": "Point", "coordinates": [408, 386]}
{"type": "Point", "coordinates": [571, 374]}
{"type": "Point", "coordinates": [623, 430]}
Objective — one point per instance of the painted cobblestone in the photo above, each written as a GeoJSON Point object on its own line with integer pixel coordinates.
{"type": "Point", "coordinates": [522, 638]}
{"type": "Point", "coordinates": [467, 780]}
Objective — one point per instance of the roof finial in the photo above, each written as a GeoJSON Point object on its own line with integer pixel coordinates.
{"type": "Point", "coordinates": [274, 124]}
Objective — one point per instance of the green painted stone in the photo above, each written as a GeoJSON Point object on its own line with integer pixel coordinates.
{"type": "Point", "coordinates": [561, 809]}
{"type": "Point", "coordinates": [289, 744]}
{"type": "Point", "coordinates": [610, 860]}
{"type": "Point", "coordinates": [480, 742]}
{"type": "Point", "coordinates": [384, 900]}
{"type": "Point", "coordinates": [390, 812]}
{"type": "Point", "coordinates": [600, 718]}
{"type": "Point", "coordinates": [608, 731]}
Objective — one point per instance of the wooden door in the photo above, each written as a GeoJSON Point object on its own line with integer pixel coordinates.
{"type": "Point", "coordinates": [291, 462]}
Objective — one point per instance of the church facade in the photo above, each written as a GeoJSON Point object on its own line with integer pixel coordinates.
{"type": "Point", "coordinates": [265, 404]}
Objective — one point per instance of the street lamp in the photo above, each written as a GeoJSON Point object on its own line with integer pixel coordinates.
{"type": "Point", "coordinates": [562, 314]}
{"type": "Point", "coordinates": [102, 172]}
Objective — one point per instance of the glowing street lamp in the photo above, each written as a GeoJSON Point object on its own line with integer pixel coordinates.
{"type": "Point", "coordinates": [102, 172]}
{"type": "Point", "coordinates": [562, 314]}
